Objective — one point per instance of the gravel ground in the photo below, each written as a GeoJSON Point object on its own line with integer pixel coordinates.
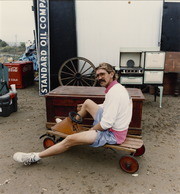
{"type": "Point", "coordinates": [86, 170]}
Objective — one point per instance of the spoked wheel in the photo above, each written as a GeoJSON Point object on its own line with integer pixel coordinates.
{"type": "Point", "coordinates": [129, 164]}
{"type": "Point", "coordinates": [77, 71]}
{"type": "Point", "coordinates": [140, 151]}
{"type": "Point", "coordinates": [48, 142]}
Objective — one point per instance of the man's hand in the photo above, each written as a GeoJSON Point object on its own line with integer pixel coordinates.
{"type": "Point", "coordinates": [79, 106]}
{"type": "Point", "coordinates": [97, 127]}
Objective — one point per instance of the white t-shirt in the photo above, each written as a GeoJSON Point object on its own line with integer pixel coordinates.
{"type": "Point", "coordinates": [117, 109]}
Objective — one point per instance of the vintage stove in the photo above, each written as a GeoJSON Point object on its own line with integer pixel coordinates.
{"type": "Point", "coordinates": [131, 67]}
{"type": "Point", "coordinates": [141, 67]}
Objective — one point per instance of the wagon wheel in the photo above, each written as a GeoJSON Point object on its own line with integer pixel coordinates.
{"type": "Point", "coordinates": [140, 151]}
{"type": "Point", "coordinates": [48, 142]}
{"type": "Point", "coordinates": [77, 71]}
{"type": "Point", "coordinates": [129, 164]}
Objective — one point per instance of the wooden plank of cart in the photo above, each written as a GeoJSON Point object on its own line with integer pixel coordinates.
{"type": "Point", "coordinates": [62, 103]}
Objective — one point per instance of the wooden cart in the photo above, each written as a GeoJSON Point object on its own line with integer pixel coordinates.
{"type": "Point", "coordinates": [133, 144]}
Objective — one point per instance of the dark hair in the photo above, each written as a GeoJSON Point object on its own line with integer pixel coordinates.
{"type": "Point", "coordinates": [109, 68]}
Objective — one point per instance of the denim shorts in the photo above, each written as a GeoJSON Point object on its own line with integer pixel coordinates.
{"type": "Point", "coordinates": [103, 137]}
{"type": "Point", "coordinates": [98, 116]}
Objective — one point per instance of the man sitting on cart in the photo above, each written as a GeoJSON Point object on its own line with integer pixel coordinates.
{"type": "Point", "coordinates": [111, 119]}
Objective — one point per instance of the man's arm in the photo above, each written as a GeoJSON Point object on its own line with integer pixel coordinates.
{"type": "Point", "coordinates": [97, 127]}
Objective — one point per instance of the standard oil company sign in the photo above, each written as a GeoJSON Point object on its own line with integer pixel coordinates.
{"type": "Point", "coordinates": [43, 46]}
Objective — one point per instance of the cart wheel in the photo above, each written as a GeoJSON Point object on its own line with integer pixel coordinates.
{"type": "Point", "coordinates": [77, 71]}
{"type": "Point", "coordinates": [48, 142]}
{"type": "Point", "coordinates": [140, 151]}
{"type": "Point", "coordinates": [59, 140]}
{"type": "Point", "coordinates": [129, 164]}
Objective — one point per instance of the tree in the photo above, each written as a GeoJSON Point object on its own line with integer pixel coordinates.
{"type": "Point", "coordinates": [22, 45]}
{"type": "Point", "coordinates": [3, 43]}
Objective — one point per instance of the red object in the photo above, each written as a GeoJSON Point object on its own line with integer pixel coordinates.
{"type": "Point", "coordinates": [12, 95]}
{"type": "Point", "coordinates": [21, 73]}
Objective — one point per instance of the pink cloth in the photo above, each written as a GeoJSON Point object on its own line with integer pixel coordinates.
{"type": "Point", "coordinates": [111, 85]}
{"type": "Point", "coordinates": [119, 135]}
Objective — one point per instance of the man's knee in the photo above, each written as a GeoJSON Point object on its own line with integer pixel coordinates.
{"type": "Point", "coordinates": [70, 140]}
{"type": "Point", "coordinates": [87, 103]}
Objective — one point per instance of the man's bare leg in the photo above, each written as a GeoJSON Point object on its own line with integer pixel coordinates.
{"type": "Point", "coordinates": [89, 107]}
{"type": "Point", "coordinates": [82, 138]}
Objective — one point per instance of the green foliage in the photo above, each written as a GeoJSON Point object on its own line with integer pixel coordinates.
{"type": "Point", "coordinates": [22, 45]}
{"type": "Point", "coordinates": [3, 43]}
{"type": "Point", "coordinates": [7, 49]}
{"type": "Point", "coordinates": [11, 51]}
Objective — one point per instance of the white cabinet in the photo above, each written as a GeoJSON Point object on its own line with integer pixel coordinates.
{"type": "Point", "coordinates": [131, 80]}
{"type": "Point", "coordinates": [154, 60]}
{"type": "Point", "coordinates": [153, 77]}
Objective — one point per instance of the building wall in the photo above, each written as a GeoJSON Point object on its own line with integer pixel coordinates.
{"type": "Point", "coordinates": [104, 27]}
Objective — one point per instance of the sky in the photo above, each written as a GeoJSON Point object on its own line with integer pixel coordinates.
{"type": "Point", "coordinates": [16, 20]}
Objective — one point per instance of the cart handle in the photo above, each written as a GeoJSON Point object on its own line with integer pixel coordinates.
{"type": "Point", "coordinates": [73, 115]}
